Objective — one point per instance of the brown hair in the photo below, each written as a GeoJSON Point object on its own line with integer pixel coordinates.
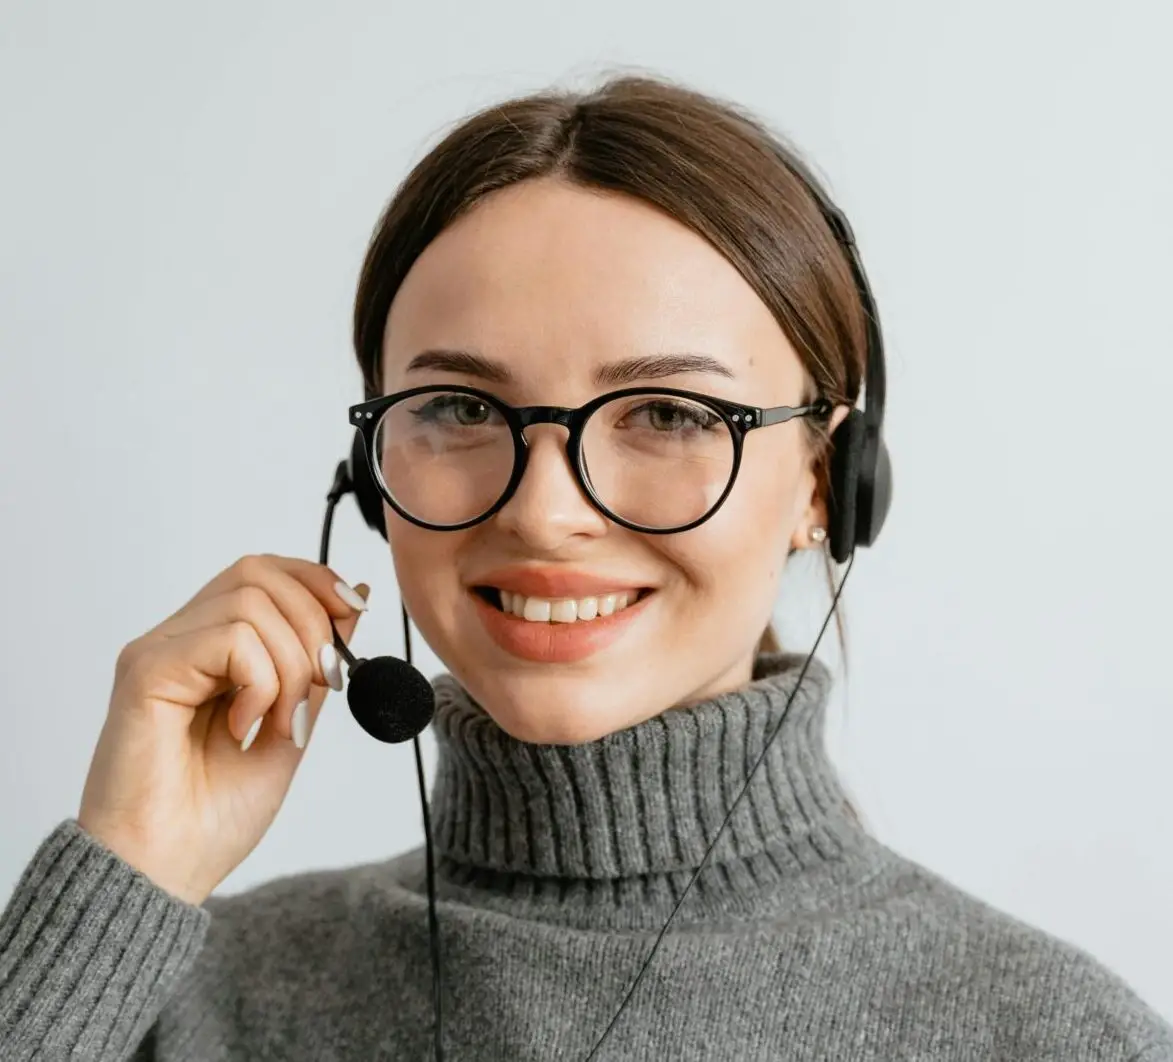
{"type": "Point", "coordinates": [703, 161]}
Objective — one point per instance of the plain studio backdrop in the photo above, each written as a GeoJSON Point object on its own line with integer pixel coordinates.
{"type": "Point", "coordinates": [187, 191]}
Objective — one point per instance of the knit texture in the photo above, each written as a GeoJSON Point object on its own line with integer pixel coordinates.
{"type": "Point", "coordinates": [804, 938]}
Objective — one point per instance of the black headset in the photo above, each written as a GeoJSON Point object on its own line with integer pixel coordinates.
{"type": "Point", "coordinates": [860, 476]}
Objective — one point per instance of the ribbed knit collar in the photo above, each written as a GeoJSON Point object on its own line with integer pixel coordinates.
{"type": "Point", "coordinates": [647, 800]}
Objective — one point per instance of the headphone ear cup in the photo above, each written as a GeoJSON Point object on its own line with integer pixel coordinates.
{"type": "Point", "coordinates": [366, 491]}
{"type": "Point", "coordinates": [847, 447]}
{"type": "Point", "coordinates": [875, 495]}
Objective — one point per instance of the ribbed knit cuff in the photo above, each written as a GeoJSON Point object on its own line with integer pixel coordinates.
{"type": "Point", "coordinates": [90, 951]}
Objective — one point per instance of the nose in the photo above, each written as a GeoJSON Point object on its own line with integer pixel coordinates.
{"type": "Point", "coordinates": [549, 508]}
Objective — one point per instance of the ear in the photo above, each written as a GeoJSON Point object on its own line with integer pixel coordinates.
{"type": "Point", "coordinates": [812, 498]}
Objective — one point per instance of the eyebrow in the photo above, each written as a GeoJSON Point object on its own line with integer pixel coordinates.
{"type": "Point", "coordinates": [462, 361]}
{"type": "Point", "coordinates": [613, 373]}
{"type": "Point", "coordinates": [628, 370]}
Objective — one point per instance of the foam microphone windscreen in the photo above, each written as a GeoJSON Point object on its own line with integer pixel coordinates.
{"type": "Point", "coordinates": [390, 699]}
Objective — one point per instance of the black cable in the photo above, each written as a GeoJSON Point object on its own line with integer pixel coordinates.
{"type": "Point", "coordinates": [728, 815]}
{"type": "Point", "coordinates": [339, 488]}
{"type": "Point", "coordinates": [433, 921]}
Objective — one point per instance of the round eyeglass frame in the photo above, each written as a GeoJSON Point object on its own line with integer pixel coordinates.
{"type": "Point", "coordinates": [739, 418]}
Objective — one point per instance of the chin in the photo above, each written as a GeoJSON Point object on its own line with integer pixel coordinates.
{"type": "Point", "coordinates": [558, 710]}
{"type": "Point", "coordinates": [596, 683]}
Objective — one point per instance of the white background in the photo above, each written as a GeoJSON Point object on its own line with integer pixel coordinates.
{"type": "Point", "coordinates": [186, 195]}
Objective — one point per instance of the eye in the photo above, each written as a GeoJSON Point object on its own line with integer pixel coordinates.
{"type": "Point", "coordinates": [673, 415]}
{"type": "Point", "coordinates": [456, 410]}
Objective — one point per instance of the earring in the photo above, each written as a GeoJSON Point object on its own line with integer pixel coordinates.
{"type": "Point", "coordinates": [818, 534]}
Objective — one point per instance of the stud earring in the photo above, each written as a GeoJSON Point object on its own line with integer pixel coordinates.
{"type": "Point", "coordinates": [818, 534]}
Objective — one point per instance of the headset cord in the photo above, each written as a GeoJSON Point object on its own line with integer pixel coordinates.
{"type": "Point", "coordinates": [728, 815]}
{"type": "Point", "coordinates": [433, 922]}
{"type": "Point", "coordinates": [341, 486]}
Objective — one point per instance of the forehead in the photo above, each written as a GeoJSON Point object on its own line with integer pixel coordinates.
{"type": "Point", "coordinates": [554, 280]}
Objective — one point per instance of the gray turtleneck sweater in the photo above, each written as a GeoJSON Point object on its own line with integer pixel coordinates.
{"type": "Point", "coordinates": [803, 939]}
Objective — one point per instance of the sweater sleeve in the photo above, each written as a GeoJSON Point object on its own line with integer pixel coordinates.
{"type": "Point", "coordinates": [90, 952]}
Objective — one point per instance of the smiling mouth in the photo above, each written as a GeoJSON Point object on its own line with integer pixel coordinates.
{"type": "Point", "coordinates": [560, 610]}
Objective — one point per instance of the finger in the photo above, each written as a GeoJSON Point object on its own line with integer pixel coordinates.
{"type": "Point", "coordinates": [286, 644]}
{"type": "Point", "coordinates": [172, 677]}
{"type": "Point", "coordinates": [303, 610]}
{"type": "Point", "coordinates": [318, 695]}
{"type": "Point", "coordinates": [330, 589]}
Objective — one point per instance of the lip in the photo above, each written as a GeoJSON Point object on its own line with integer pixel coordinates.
{"type": "Point", "coordinates": [555, 643]}
{"type": "Point", "coordinates": [555, 583]}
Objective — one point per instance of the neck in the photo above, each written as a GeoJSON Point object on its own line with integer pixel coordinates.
{"type": "Point", "coordinates": [644, 804]}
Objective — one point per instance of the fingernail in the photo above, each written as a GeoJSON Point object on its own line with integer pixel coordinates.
{"type": "Point", "coordinates": [331, 667]}
{"type": "Point", "coordinates": [251, 736]}
{"type": "Point", "coordinates": [301, 724]}
{"type": "Point", "coordinates": [351, 596]}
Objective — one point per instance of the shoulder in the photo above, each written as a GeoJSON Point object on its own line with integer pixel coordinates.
{"type": "Point", "coordinates": [1043, 996]}
{"type": "Point", "coordinates": [319, 913]}
{"type": "Point", "coordinates": [297, 927]}
{"type": "Point", "coordinates": [295, 952]}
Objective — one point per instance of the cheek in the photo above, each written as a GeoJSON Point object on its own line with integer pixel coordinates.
{"type": "Point", "coordinates": [424, 565]}
{"type": "Point", "coordinates": [745, 543]}
{"type": "Point", "coordinates": [766, 490]}
{"type": "Point", "coordinates": [732, 554]}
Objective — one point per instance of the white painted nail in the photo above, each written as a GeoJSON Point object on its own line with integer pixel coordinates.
{"type": "Point", "coordinates": [331, 666]}
{"type": "Point", "coordinates": [301, 724]}
{"type": "Point", "coordinates": [251, 736]}
{"type": "Point", "coordinates": [351, 596]}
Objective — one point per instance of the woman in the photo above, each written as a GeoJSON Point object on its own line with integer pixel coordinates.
{"type": "Point", "coordinates": [611, 686]}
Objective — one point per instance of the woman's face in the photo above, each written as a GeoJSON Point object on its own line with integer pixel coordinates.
{"type": "Point", "coordinates": [558, 287]}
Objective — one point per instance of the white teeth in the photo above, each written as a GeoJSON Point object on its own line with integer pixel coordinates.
{"type": "Point", "coordinates": [564, 610]}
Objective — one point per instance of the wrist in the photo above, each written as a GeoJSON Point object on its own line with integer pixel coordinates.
{"type": "Point", "coordinates": [164, 872]}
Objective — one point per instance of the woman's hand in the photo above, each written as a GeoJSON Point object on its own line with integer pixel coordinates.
{"type": "Point", "coordinates": [171, 789]}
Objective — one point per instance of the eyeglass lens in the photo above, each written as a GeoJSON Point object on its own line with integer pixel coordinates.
{"type": "Point", "coordinates": [656, 461]}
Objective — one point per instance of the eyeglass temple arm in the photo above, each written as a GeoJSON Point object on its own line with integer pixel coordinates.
{"type": "Point", "coordinates": [781, 414]}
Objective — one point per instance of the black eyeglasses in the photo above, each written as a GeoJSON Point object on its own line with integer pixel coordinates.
{"type": "Point", "coordinates": [656, 460]}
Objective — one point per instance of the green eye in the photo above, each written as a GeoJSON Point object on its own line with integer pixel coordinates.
{"type": "Point", "coordinates": [464, 411]}
{"type": "Point", "coordinates": [665, 415]}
